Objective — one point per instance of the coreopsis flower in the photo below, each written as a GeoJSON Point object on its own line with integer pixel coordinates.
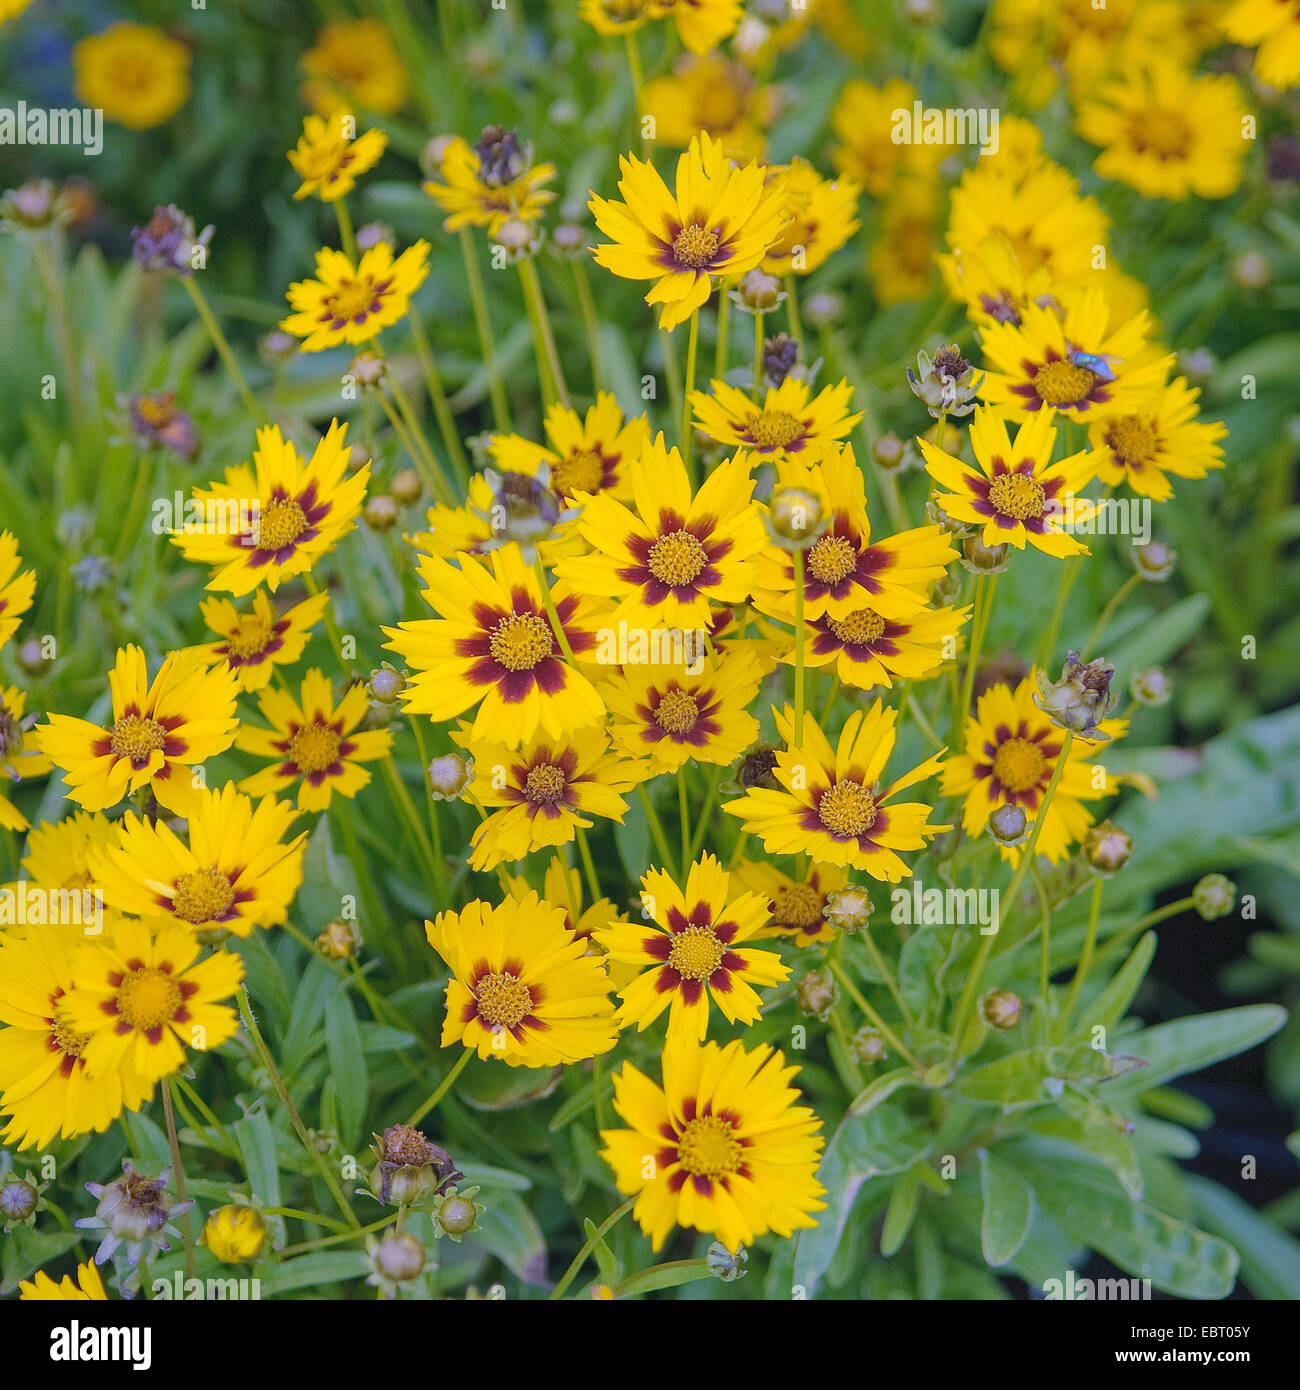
{"type": "Point", "coordinates": [329, 158]}
{"type": "Point", "coordinates": [11, 8]}
{"type": "Point", "coordinates": [616, 16]}
{"type": "Point", "coordinates": [791, 420]}
{"type": "Point", "coordinates": [43, 1084]}
{"type": "Point", "coordinates": [16, 590]}
{"type": "Point", "coordinates": [678, 715]}
{"type": "Point", "coordinates": [169, 242]}
{"type": "Point", "coordinates": [349, 303]}
{"type": "Point", "coordinates": [548, 788]}
{"type": "Point", "coordinates": [691, 952]}
{"type": "Point", "coordinates": [868, 650]}
{"type": "Point", "coordinates": [58, 852]}
{"type": "Point", "coordinates": [1070, 359]}
{"type": "Point", "coordinates": [1159, 438]}
{"type": "Point", "coordinates": [844, 571]}
{"type": "Point", "coordinates": [710, 92]}
{"type": "Point", "coordinates": [234, 1233]}
{"type": "Point", "coordinates": [701, 24]}
{"type": "Point", "coordinates": [734, 1156]}
{"type": "Point", "coordinates": [830, 803]}
{"type": "Point", "coordinates": [237, 872]}
{"type": "Point", "coordinates": [18, 759]}
{"type": "Point", "coordinates": [136, 74]}
{"type": "Point", "coordinates": [562, 887]}
{"type": "Point", "coordinates": [946, 383]}
{"type": "Point", "coordinates": [900, 262]}
{"type": "Point", "coordinates": [585, 454]}
{"type": "Point", "coordinates": [1011, 752]}
{"type": "Point", "coordinates": [143, 997]}
{"type": "Point", "coordinates": [493, 646]}
{"type": "Point", "coordinates": [797, 906]}
{"type": "Point", "coordinates": [86, 1287]}
{"type": "Point", "coordinates": [1081, 699]}
{"type": "Point", "coordinates": [159, 733]}
{"type": "Point", "coordinates": [313, 742]}
{"type": "Point", "coordinates": [670, 556]}
{"type": "Point", "coordinates": [1168, 132]}
{"type": "Point", "coordinates": [490, 183]}
{"type": "Point", "coordinates": [135, 1216]}
{"type": "Point", "coordinates": [716, 220]}
{"type": "Point", "coordinates": [255, 642]}
{"type": "Point", "coordinates": [158, 422]}
{"type": "Point", "coordinates": [1272, 27]}
{"type": "Point", "coordinates": [864, 119]}
{"type": "Point", "coordinates": [823, 216]}
{"type": "Point", "coordinates": [522, 987]}
{"type": "Point", "coordinates": [354, 63]}
{"type": "Point", "coordinates": [274, 518]}
{"type": "Point", "coordinates": [1016, 493]}
{"type": "Point", "coordinates": [991, 283]}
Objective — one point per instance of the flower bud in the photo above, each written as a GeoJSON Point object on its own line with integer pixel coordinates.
{"type": "Point", "coordinates": [277, 346]}
{"type": "Point", "coordinates": [888, 451]}
{"type": "Point", "coordinates": [946, 384]}
{"type": "Point", "coordinates": [848, 908]}
{"type": "Point", "coordinates": [1106, 848]}
{"type": "Point", "coordinates": [502, 159]}
{"type": "Point", "coordinates": [823, 308]}
{"type": "Point", "coordinates": [978, 558]}
{"type": "Point", "coordinates": [358, 457]}
{"type": "Point", "coordinates": [1155, 561]}
{"type": "Point", "coordinates": [795, 518]}
{"type": "Point", "coordinates": [235, 1234]}
{"type": "Point", "coordinates": [32, 206]}
{"type": "Point", "coordinates": [1251, 270]}
{"type": "Point", "coordinates": [758, 292]}
{"type": "Point", "coordinates": [757, 769]}
{"type": "Point", "coordinates": [1081, 699]}
{"type": "Point", "coordinates": [450, 776]}
{"type": "Point", "coordinates": [409, 1166]}
{"type": "Point", "coordinates": [569, 239]}
{"type": "Point", "coordinates": [1214, 896]}
{"type": "Point", "coordinates": [816, 994]}
{"type": "Point", "coordinates": [456, 1213]}
{"type": "Point", "coordinates": [167, 242]}
{"type": "Point", "coordinates": [406, 486]}
{"type": "Point", "coordinates": [870, 1046]}
{"type": "Point", "coordinates": [92, 574]}
{"type": "Point", "coordinates": [433, 153]}
{"type": "Point", "coordinates": [386, 684]}
{"type": "Point", "coordinates": [1198, 365]}
{"type": "Point", "coordinates": [340, 940]}
{"type": "Point", "coordinates": [19, 1200]}
{"type": "Point", "coordinates": [936, 516]}
{"type": "Point", "coordinates": [1009, 826]}
{"type": "Point", "coordinates": [779, 357]}
{"type": "Point", "coordinates": [1000, 1008]}
{"type": "Point", "coordinates": [725, 1265]}
{"type": "Point", "coordinates": [374, 234]}
{"type": "Point", "coordinates": [519, 238]}
{"type": "Point", "coordinates": [946, 591]}
{"type": "Point", "coordinates": [397, 1258]}
{"type": "Point", "coordinates": [367, 369]}
{"type": "Point", "coordinates": [1151, 686]}
{"type": "Point", "coordinates": [920, 12]}
{"type": "Point", "coordinates": [381, 512]}
{"type": "Point", "coordinates": [32, 658]}
{"type": "Point", "coordinates": [158, 421]}
{"type": "Point", "coordinates": [523, 509]}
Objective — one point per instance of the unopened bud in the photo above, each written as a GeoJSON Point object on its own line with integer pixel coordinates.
{"type": "Point", "coordinates": [888, 451]}
{"type": "Point", "coordinates": [1107, 848]}
{"type": "Point", "coordinates": [1214, 896]}
{"type": "Point", "coordinates": [758, 292]}
{"type": "Point", "coordinates": [340, 940]}
{"type": "Point", "coordinates": [367, 369]}
{"type": "Point", "coordinates": [381, 512]}
{"type": "Point", "coordinates": [979, 558]}
{"type": "Point", "coordinates": [406, 486]}
{"type": "Point", "coordinates": [397, 1258]}
{"type": "Point", "coordinates": [848, 908]}
{"type": "Point", "coordinates": [449, 776]}
{"type": "Point", "coordinates": [1001, 1008]}
{"type": "Point", "coordinates": [1151, 686]}
{"type": "Point", "coordinates": [870, 1046]}
{"type": "Point", "coordinates": [1009, 826]}
{"type": "Point", "coordinates": [796, 518]}
{"type": "Point", "coordinates": [1155, 561]}
{"type": "Point", "coordinates": [816, 994]}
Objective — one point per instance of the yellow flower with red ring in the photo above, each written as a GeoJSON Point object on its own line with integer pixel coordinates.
{"type": "Point", "coordinates": [790, 421]}
{"type": "Point", "coordinates": [349, 303]}
{"type": "Point", "coordinates": [255, 642]}
{"type": "Point", "coordinates": [797, 905]}
{"type": "Point", "coordinates": [329, 156]}
{"type": "Point", "coordinates": [16, 590]}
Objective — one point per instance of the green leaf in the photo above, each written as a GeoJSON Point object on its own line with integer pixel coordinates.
{"type": "Point", "coordinates": [256, 1142]}
{"type": "Point", "coordinates": [900, 1212]}
{"type": "Point", "coordinates": [1030, 1077]}
{"type": "Point", "coordinates": [1159, 637]}
{"type": "Point", "coordinates": [27, 1250]}
{"type": "Point", "coordinates": [666, 1276]}
{"type": "Point", "coordinates": [347, 1065]}
{"type": "Point", "coordinates": [304, 1034]}
{"type": "Point", "coordinates": [1270, 1259]}
{"type": "Point", "coordinates": [1008, 1209]}
{"type": "Point", "coordinates": [605, 1261]}
{"type": "Point", "coordinates": [310, 1271]}
{"type": "Point", "coordinates": [511, 1233]}
{"type": "Point", "coordinates": [1188, 1044]}
{"type": "Point", "coordinates": [1112, 1003]}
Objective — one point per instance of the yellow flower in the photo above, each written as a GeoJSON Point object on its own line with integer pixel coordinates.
{"type": "Point", "coordinates": [1273, 25]}
{"type": "Point", "coordinates": [314, 743]}
{"type": "Point", "coordinates": [617, 16]}
{"type": "Point", "coordinates": [353, 304]}
{"type": "Point", "coordinates": [868, 650]}
{"type": "Point", "coordinates": [8, 10]}
{"type": "Point", "coordinates": [902, 256]}
{"type": "Point", "coordinates": [329, 157]}
{"type": "Point", "coordinates": [1168, 132]}
{"type": "Point", "coordinates": [490, 183]}
{"type": "Point", "coordinates": [864, 119]}
{"type": "Point", "coordinates": [717, 220]}
{"type": "Point", "coordinates": [701, 24]}
{"type": "Point", "coordinates": [1017, 494]}
{"type": "Point", "coordinates": [142, 998]}
{"type": "Point", "coordinates": [43, 1084]}
{"type": "Point", "coordinates": [134, 73]}
{"type": "Point", "coordinates": [797, 906]}
{"type": "Point", "coordinates": [158, 734]}
{"type": "Point", "coordinates": [87, 1286]}
{"type": "Point", "coordinates": [790, 421]}
{"type": "Point", "coordinates": [690, 952]}
{"type": "Point", "coordinates": [710, 93]}
{"type": "Point", "coordinates": [16, 590]}
{"type": "Point", "coordinates": [271, 521]}
{"type": "Point", "coordinates": [255, 642]}
{"type": "Point", "coordinates": [58, 853]}
{"type": "Point", "coordinates": [522, 987]}
{"type": "Point", "coordinates": [829, 803]}
{"type": "Point", "coordinates": [731, 1154]}
{"type": "Point", "coordinates": [823, 216]}
{"type": "Point", "coordinates": [234, 1234]}
{"type": "Point", "coordinates": [354, 63]}
{"type": "Point", "coordinates": [235, 873]}
{"type": "Point", "coordinates": [16, 760]}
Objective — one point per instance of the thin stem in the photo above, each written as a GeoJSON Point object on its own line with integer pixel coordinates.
{"type": "Point", "coordinates": [331, 627]}
{"type": "Point", "coordinates": [593, 1240]}
{"type": "Point", "coordinates": [1085, 962]}
{"type": "Point", "coordinates": [425, 460]}
{"type": "Point", "coordinates": [178, 1171]}
{"type": "Point", "coordinates": [438, 400]}
{"type": "Point", "coordinates": [638, 82]}
{"type": "Point", "coordinates": [435, 832]}
{"type": "Point", "coordinates": [674, 372]}
{"type": "Point", "coordinates": [758, 355]}
{"type": "Point", "coordinates": [688, 432]}
{"type": "Point", "coordinates": [792, 311]}
{"type": "Point", "coordinates": [872, 1016]}
{"type": "Point", "coordinates": [474, 278]}
{"type": "Point", "coordinates": [720, 348]}
{"type": "Point", "coordinates": [888, 974]}
{"type": "Point", "coordinates": [222, 346]}
{"type": "Point", "coordinates": [557, 627]}
{"type": "Point", "coordinates": [1069, 573]}
{"type": "Point", "coordinates": [588, 865]}
{"type": "Point", "coordinates": [1118, 597]}
{"type": "Point", "coordinates": [702, 825]}
{"type": "Point", "coordinates": [424, 850]}
{"type": "Point", "coordinates": [51, 271]}
{"type": "Point", "coordinates": [533, 292]}
{"type": "Point", "coordinates": [442, 1088]}
{"type": "Point", "coordinates": [324, 1241]}
{"type": "Point", "coordinates": [986, 587]}
{"type": "Point", "coordinates": [684, 817]}
{"type": "Point", "coordinates": [656, 830]}
{"type": "Point", "coordinates": [347, 237]}
{"type": "Point", "coordinates": [799, 636]}
{"type": "Point", "coordinates": [587, 305]}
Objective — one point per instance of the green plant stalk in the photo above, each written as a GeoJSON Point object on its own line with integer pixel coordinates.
{"type": "Point", "coordinates": [442, 1088]}
{"type": "Point", "coordinates": [724, 324]}
{"type": "Point", "coordinates": [483, 323]}
{"type": "Point", "coordinates": [706, 814]}
{"type": "Point", "coordinates": [331, 627]}
{"type": "Point", "coordinates": [1085, 962]}
{"type": "Point", "coordinates": [758, 356]}
{"type": "Point", "coordinates": [800, 636]}
{"type": "Point", "coordinates": [890, 983]}
{"type": "Point", "coordinates": [1069, 573]}
{"type": "Point", "coordinates": [792, 310]}
{"type": "Point", "coordinates": [347, 237]}
{"type": "Point", "coordinates": [672, 368]}
{"type": "Point", "coordinates": [222, 346]}
{"type": "Point", "coordinates": [587, 307]}
{"type": "Point", "coordinates": [580, 1258]}
{"type": "Point", "coordinates": [688, 432]}
{"type": "Point", "coordinates": [268, 1062]}
{"type": "Point", "coordinates": [986, 587]}
{"type": "Point", "coordinates": [545, 370]}
{"type": "Point", "coordinates": [435, 831]}
{"type": "Point", "coordinates": [656, 830]}
{"type": "Point", "coordinates": [588, 865]}
{"type": "Point", "coordinates": [1118, 597]}
{"type": "Point", "coordinates": [178, 1172]}
{"type": "Point", "coordinates": [425, 460]}
{"type": "Point", "coordinates": [411, 820]}
{"type": "Point", "coordinates": [412, 452]}
{"type": "Point", "coordinates": [50, 268]}
{"type": "Point", "coordinates": [684, 817]}
{"type": "Point", "coordinates": [872, 1016]}
{"type": "Point", "coordinates": [438, 400]}
{"type": "Point", "coordinates": [533, 290]}
{"type": "Point", "coordinates": [303, 1246]}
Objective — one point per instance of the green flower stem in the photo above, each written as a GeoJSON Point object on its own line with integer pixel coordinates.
{"type": "Point", "coordinates": [684, 817]}
{"type": "Point", "coordinates": [699, 1269]}
{"type": "Point", "coordinates": [1085, 962]}
{"type": "Point", "coordinates": [1122, 937]}
{"type": "Point", "coordinates": [832, 690]}
{"type": "Point", "coordinates": [222, 346]}
{"type": "Point", "coordinates": [435, 830]}
{"type": "Point", "coordinates": [264, 1054]}
{"type": "Point", "coordinates": [411, 819]}
{"type": "Point", "coordinates": [425, 460]}
{"type": "Point", "coordinates": [202, 1107]}
{"type": "Point", "coordinates": [967, 1003]}
{"type": "Point", "coordinates": [50, 268]}
{"type": "Point", "coordinates": [589, 866]}
{"type": "Point", "coordinates": [758, 356]}
{"type": "Point", "coordinates": [1118, 597]}
{"type": "Point", "coordinates": [1045, 955]}
{"type": "Point", "coordinates": [146, 470]}
{"type": "Point", "coordinates": [303, 1246]}
{"type": "Point", "coordinates": [587, 306]}
{"type": "Point", "coordinates": [403, 435]}
{"type": "Point", "coordinates": [724, 324]}
{"type": "Point", "coordinates": [347, 237]}
{"type": "Point", "coordinates": [638, 83]}
{"type": "Point", "coordinates": [872, 1016]}
{"type": "Point", "coordinates": [178, 1172]}
{"type": "Point", "coordinates": [890, 983]}
{"type": "Point", "coordinates": [792, 311]}
{"type": "Point", "coordinates": [706, 815]}
{"type": "Point", "coordinates": [580, 1258]}
{"type": "Point", "coordinates": [533, 294]}
{"type": "Point", "coordinates": [474, 278]}
{"type": "Point", "coordinates": [598, 1106]}
{"type": "Point", "coordinates": [438, 400]}
{"type": "Point", "coordinates": [656, 830]}
{"type": "Point", "coordinates": [672, 369]}
{"type": "Point", "coordinates": [331, 627]}
{"type": "Point", "coordinates": [557, 627]}
{"type": "Point", "coordinates": [442, 1088]}
{"type": "Point", "coordinates": [986, 587]}
{"type": "Point", "coordinates": [799, 638]}
{"type": "Point", "coordinates": [1069, 573]}
{"type": "Point", "coordinates": [688, 431]}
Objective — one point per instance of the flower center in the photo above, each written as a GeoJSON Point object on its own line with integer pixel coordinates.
{"type": "Point", "coordinates": [148, 998]}
{"type": "Point", "coordinates": [545, 784]}
{"type": "Point", "coordinates": [859, 629]}
{"type": "Point", "coordinates": [279, 524]}
{"type": "Point", "coordinates": [249, 638]}
{"type": "Point", "coordinates": [773, 429]}
{"type": "Point", "coordinates": [1017, 495]}
{"type": "Point", "coordinates": [1132, 439]}
{"type": "Point", "coordinates": [203, 896]}
{"type": "Point", "coordinates": [798, 906]}
{"type": "Point", "coordinates": [583, 471]}
{"type": "Point", "coordinates": [676, 712]}
{"type": "Point", "coordinates": [832, 559]}
{"type": "Point", "coordinates": [67, 1040]}
{"type": "Point", "coordinates": [520, 641]}
{"type": "Point", "coordinates": [156, 410]}
{"type": "Point", "coordinates": [135, 737]}
{"type": "Point", "coordinates": [351, 300]}
{"type": "Point", "coordinates": [676, 559]}
{"type": "Point", "coordinates": [1161, 131]}
{"type": "Point", "coordinates": [1019, 764]}
{"type": "Point", "coordinates": [314, 748]}
{"type": "Point", "coordinates": [695, 246]}
{"type": "Point", "coordinates": [1063, 383]}
{"type": "Point", "coordinates": [709, 1147]}
{"type": "Point", "coordinates": [503, 1000]}
{"type": "Point", "coordinates": [847, 809]}
{"type": "Point", "coordinates": [696, 953]}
